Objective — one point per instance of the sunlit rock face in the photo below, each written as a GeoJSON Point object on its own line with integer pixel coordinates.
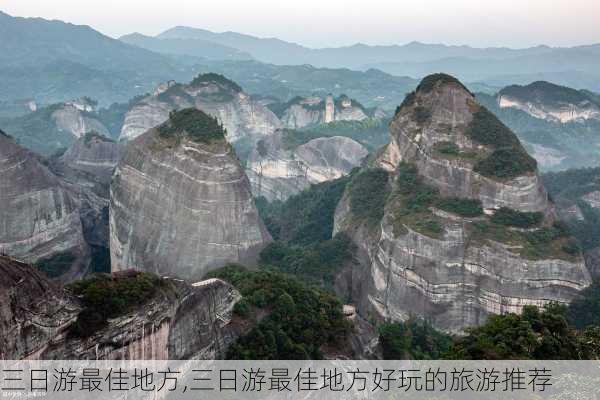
{"type": "Point", "coordinates": [277, 171]}
{"type": "Point", "coordinates": [550, 102]}
{"type": "Point", "coordinates": [39, 216]}
{"type": "Point", "coordinates": [180, 321]}
{"type": "Point", "coordinates": [180, 206]}
{"type": "Point", "coordinates": [242, 117]}
{"type": "Point", "coordinates": [456, 277]}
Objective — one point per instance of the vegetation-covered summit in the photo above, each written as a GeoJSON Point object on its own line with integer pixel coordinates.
{"type": "Point", "coordinates": [211, 77]}
{"type": "Point", "coordinates": [547, 93]}
{"type": "Point", "coordinates": [105, 296]}
{"type": "Point", "coordinates": [430, 81]}
{"type": "Point", "coordinates": [196, 124]}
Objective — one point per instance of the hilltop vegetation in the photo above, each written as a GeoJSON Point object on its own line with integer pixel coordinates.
{"type": "Point", "coordinates": [107, 296]}
{"type": "Point", "coordinates": [300, 319]}
{"type": "Point", "coordinates": [549, 94]}
{"type": "Point", "coordinates": [219, 79]}
{"type": "Point", "coordinates": [508, 158]}
{"type": "Point", "coordinates": [197, 125]}
{"type": "Point", "coordinates": [571, 144]}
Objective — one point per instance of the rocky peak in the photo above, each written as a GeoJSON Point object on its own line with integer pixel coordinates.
{"type": "Point", "coordinates": [462, 148]}
{"type": "Point", "coordinates": [194, 125]}
{"type": "Point", "coordinates": [243, 118]}
{"type": "Point", "coordinates": [181, 203]}
{"type": "Point", "coordinates": [211, 80]}
{"type": "Point", "coordinates": [451, 219]}
{"type": "Point", "coordinates": [551, 102]}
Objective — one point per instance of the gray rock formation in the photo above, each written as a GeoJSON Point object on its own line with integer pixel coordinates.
{"type": "Point", "coordinates": [181, 321]}
{"type": "Point", "coordinates": [278, 172]}
{"type": "Point", "coordinates": [455, 276]}
{"type": "Point", "coordinates": [302, 112]}
{"type": "Point", "coordinates": [75, 117]}
{"type": "Point", "coordinates": [94, 155]}
{"type": "Point", "coordinates": [87, 166]}
{"type": "Point", "coordinates": [39, 217]}
{"type": "Point", "coordinates": [242, 117]}
{"type": "Point", "coordinates": [550, 102]}
{"type": "Point", "coordinates": [181, 203]}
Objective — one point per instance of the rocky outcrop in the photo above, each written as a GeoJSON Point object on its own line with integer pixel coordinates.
{"type": "Point", "coordinates": [32, 310]}
{"type": "Point", "coordinates": [93, 155]}
{"type": "Point", "coordinates": [87, 166]}
{"type": "Point", "coordinates": [301, 112]}
{"type": "Point", "coordinates": [550, 102]}
{"type": "Point", "coordinates": [39, 217]}
{"type": "Point", "coordinates": [242, 117]}
{"type": "Point", "coordinates": [181, 203]}
{"type": "Point", "coordinates": [53, 128]}
{"type": "Point", "coordinates": [76, 118]}
{"type": "Point", "coordinates": [451, 269]}
{"type": "Point", "coordinates": [180, 321]}
{"type": "Point", "coordinates": [278, 172]}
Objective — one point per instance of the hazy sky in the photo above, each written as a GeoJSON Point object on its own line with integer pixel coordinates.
{"type": "Point", "coordinates": [321, 23]}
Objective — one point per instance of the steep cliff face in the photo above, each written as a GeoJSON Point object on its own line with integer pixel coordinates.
{"type": "Point", "coordinates": [75, 117]}
{"type": "Point", "coordinates": [278, 171]}
{"type": "Point", "coordinates": [32, 309]}
{"type": "Point", "coordinates": [301, 112]}
{"type": "Point", "coordinates": [93, 155]}
{"type": "Point", "coordinates": [242, 117]}
{"type": "Point", "coordinates": [39, 217]}
{"type": "Point", "coordinates": [181, 203]}
{"type": "Point", "coordinates": [550, 102]}
{"type": "Point", "coordinates": [452, 221]}
{"type": "Point", "coordinates": [87, 166]}
{"type": "Point", "coordinates": [180, 321]}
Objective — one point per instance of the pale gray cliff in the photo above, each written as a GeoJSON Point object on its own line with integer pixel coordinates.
{"type": "Point", "coordinates": [278, 172]}
{"type": "Point", "coordinates": [545, 100]}
{"type": "Point", "coordinates": [303, 112]}
{"type": "Point", "coordinates": [242, 117]}
{"type": "Point", "coordinates": [93, 155]}
{"type": "Point", "coordinates": [76, 117]}
{"type": "Point", "coordinates": [39, 217]}
{"type": "Point", "coordinates": [87, 167]}
{"type": "Point", "coordinates": [456, 276]}
{"type": "Point", "coordinates": [181, 206]}
{"type": "Point", "coordinates": [180, 321]}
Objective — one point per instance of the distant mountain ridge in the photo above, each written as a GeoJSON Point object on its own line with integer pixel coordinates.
{"type": "Point", "coordinates": [193, 47]}
{"type": "Point", "coordinates": [45, 59]}
{"type": "Point", "coordinates": [417, 59]}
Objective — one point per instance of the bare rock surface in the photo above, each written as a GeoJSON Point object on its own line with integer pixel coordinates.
{"type": "Point", "coordinates": [242, 117]}
{"type": "Point", "coordinates": [454, 277]}
{"type": "Point", "coordinates": [181, 206]}
{"type": "Point", "coordinates": [181, 321]}
{"type": "Point", "coordinates": [39, 217]}
{"type": "Point", "coordinates": [278, 172]}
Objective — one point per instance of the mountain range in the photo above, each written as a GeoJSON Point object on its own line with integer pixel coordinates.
{"type": "Point", "coordinates": [418, 59]}
{"type": "Point", "coordinates": [54, 61]}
